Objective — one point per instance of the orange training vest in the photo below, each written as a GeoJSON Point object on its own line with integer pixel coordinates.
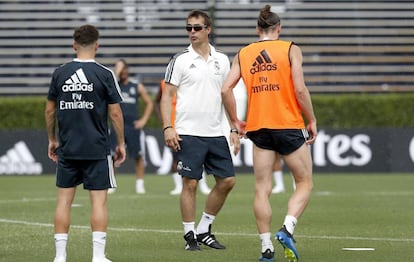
{"type": "Point", "coordinates": [266, 71]}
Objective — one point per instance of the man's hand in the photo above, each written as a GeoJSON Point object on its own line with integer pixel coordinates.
{"type": "Point", "coordinates": [120, 155]}
{"type": "Point", "coordinates": [172, 139]}
{"type": "Point", "coordinates": [53, 145]}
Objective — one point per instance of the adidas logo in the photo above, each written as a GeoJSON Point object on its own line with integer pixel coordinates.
{"type": "Point", "coordinates": [19, 161]}
{"type": "Point", "coordinates": [263, 63]}
{"type": "Point", "coordinates": [77, 82]}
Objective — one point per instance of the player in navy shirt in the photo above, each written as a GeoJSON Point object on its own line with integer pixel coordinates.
{"type": "Point", "coordinates": [132, 93]}
{"type": "Point", "coordinates": [82, 95]}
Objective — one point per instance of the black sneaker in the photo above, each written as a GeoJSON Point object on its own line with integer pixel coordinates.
{"type": "Point", "coordinates": [192, 244]}
{"type": "Point", "coordinates": [209, 240]}
{"type": "Point", "coordinates": [267, 256]}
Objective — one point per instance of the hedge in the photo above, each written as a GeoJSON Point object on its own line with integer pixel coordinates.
{"type": "Point", "coordinates": [332, 111]}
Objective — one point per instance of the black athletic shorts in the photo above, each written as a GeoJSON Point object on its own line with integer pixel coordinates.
{"type": "Point", "coordinates": [209, 153]}
{"type": "Point", "coordinates": [94, 174]}
{"type": "Point", "coordinates": [283, 141]}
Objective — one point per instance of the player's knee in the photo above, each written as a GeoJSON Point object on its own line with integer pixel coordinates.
{"type": "Point", "coordinates": [229, 183]}
{"type": "Point", "coordinates": [304, 183]}
{"type": "Point", "coordinates": [190, 184]}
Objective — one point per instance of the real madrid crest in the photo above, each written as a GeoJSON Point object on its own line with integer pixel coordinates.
{"type": "Point", "coordinates": [217, 67]}
{"type": "Point", "coordinates": [133, 90]}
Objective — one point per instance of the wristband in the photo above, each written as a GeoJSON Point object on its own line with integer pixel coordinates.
{"type": "Point", "coordinates": [234, 130]}
{"type": "Point", "coordinates": [165, 128]}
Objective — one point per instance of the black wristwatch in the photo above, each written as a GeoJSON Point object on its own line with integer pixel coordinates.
{"type": "Point", "coordinates": [234, 130]}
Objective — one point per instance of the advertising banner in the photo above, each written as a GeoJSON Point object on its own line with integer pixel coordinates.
{"type": "Point", "coordinates": [24, 152]}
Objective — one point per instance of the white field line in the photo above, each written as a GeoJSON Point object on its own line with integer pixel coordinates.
{"type": "Point", "coordinates": [372, 193]}
{"type": "Point", "coordinates": [53, 199]}
{"type": "Point", "coordinates": [317, 193]}
{"type": "Point", "coordinates": [26, 200]}
{"type": "Point", "coordinates": [37, 224]}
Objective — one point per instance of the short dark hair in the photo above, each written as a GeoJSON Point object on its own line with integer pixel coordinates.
{"type": "Point", "coordinates": [123, 61]}
{"type": "Point", "coordinates": [267, 18]}
{"type": "Point", "coordinates": [86, 35]}
{"type": "Point", "coordinates": [199, 13]}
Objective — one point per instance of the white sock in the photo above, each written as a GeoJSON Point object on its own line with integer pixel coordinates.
{"type": "Point", "coordinates": [278, 176]}
{"type": "Point", "coordinates": [60, 243]}
{"type": "Point", "coordinates": [140, 182]}
{"type": "Point", "coordinates": [266, 242]}
{"type": "Point", "coordinates": [99, 242]}
{"type": "Point", "coordinates": [290, 223]}
{"type": "Point", "coordinates": [205, 222]}
{"type": "Point", "coordinates": [178, 182]}
{"type": "Point", "coordinates": [189, 226]}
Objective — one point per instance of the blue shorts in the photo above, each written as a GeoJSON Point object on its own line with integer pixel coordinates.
{"type": "Point", "coordinates": [134, 141]}
{"type": "Point", "coordinates": [283, 141]}
{"type": "Point", "coordinates": [94, 174]}
{"type": "Point", "coordinates": [209, 153]}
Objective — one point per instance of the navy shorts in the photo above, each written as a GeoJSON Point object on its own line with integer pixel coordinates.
{"type": "Point", "coordinates": [134, 141]}
{"type": "Point", "coordinates": [209, 153]}
{"type": "Point", "coordinates": [94, 174]}
{"type": "Point", "coordinates": [283, 141]}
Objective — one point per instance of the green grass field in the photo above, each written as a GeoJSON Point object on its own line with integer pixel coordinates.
{"type": "Point", "coordinates": [353, 210]}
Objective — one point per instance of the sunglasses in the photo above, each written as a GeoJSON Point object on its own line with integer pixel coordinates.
{"type": "Point", "coordinates": [196, 28]}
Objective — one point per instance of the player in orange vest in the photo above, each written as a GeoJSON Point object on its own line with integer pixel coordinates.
{"type": "Point", "coordinates": [277, 98]}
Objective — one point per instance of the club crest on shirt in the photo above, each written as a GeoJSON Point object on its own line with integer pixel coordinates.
{"type": "Point", "coordinates": [133, 91]}
{"type": "Point", "coordinates": [217, 67]}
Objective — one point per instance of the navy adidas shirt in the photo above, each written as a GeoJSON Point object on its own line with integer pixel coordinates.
{"type": "Point", "coordinates": [82, 90]}
{"type": "Point", "coordinates": [129, 104]}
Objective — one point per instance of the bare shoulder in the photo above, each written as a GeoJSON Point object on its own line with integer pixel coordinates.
{"type": "Point", "coordinates": [295, 54]}
{"type": "Point", "coordinates": [295, 49]}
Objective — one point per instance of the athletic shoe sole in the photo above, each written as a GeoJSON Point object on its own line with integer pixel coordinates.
{"type": "Point", "coordinates": [210, 241]}
{"type": "Point", "coordinates": [266, 259]}
{"type": "Point", "coordinates": [270, 256]}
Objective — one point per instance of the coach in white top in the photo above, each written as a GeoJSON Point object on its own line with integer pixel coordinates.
{"type": "Point", "coordinates": [196, 75]}
{"type": "Point", "coordinates": [198, 81]}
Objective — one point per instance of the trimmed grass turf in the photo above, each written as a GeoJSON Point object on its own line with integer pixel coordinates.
{"type": "Point", "coordinates": [346, 210]}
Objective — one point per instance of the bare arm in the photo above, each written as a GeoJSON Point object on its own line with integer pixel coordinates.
{"type": "Point", "coordinates": [171, 137]}
{"type": "Point", "coordinates": [115, 114]}
{"type": "Point", "coordinates": [302, 92]}
{"type": "Point", "coordinates": [228, 97]}
{"type": "Point", "coordinates": [166, 104]}
{"type": "Point", "coordinates": [119, 65]}
{"type": "Point", "coordinates": [157, 103]}
{"type": "Point", "coordinates": [50, 117]}
{"type": "Point", "coordinates": [149, 106]}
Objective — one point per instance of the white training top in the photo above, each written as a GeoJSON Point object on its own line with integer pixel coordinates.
{"type": "Point", "coordinates": [199, 109]}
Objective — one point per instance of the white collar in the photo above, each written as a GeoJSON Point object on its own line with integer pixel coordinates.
{"type": "Point", "coordinates": [195, 54]}
{"type": "Point", "coordinates": [83, 61]}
